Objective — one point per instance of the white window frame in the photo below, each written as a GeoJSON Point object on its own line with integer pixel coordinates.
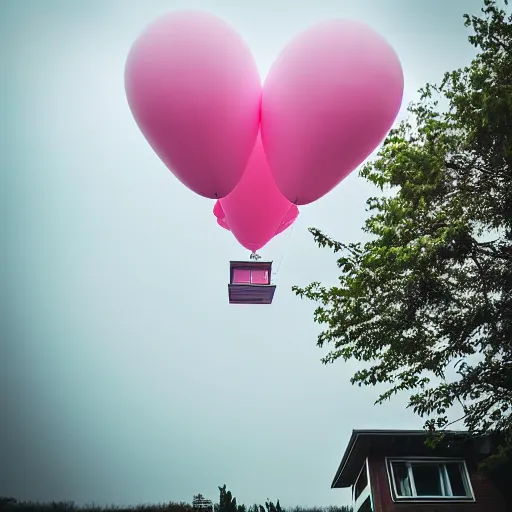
{"type": "Point", "coordinates": [422, 499]}
{"type": "Point", "coordinates": [366, 492]}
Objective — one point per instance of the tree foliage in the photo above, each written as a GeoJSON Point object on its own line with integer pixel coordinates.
{"type": "Point", "coordinates": [426, 303]}
{"type": "Point", "coordinates": [227, 502]}
{"type": "Point", "coordinates": [11, 505]}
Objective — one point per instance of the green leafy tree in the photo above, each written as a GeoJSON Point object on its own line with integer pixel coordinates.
{"type": "Point", "coordinates": [426, 303]}
{"type": "Point", "coordinates": [256, 508]}
{"type": "Point", "coordinates": [5, 502]}
{"type": "Point", "coordinates": [227, 502]}
{"type": "Point", "coordinates": [271, 507]}
{"type": "Point", "coordinates": [10, 504]}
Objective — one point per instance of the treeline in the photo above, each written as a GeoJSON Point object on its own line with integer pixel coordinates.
{"type": "Point", "coordinates": [227, 503]}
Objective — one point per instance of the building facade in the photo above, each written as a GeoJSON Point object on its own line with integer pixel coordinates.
{"type": "Point", "coordinates": [394, 471]}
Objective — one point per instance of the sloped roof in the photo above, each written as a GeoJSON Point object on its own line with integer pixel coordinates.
{"type": "Point", "coordinates": [361, 441]}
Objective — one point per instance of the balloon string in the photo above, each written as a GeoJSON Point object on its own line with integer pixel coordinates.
{"type": "Point", "coordinates": [290, 232]}
{"type": "Point", "coordinates": [285, 248]}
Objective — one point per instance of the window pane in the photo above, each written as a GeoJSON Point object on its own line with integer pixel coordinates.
{"type": "Point", "coordinates": [361, 483]}
{"type": "Point", "coordinates": [241, 276]}
{"type": "Point", "coordinates": [366, 506]}
{"type": "Point", "coordinates": [455, 475]}
{"type": "Point", "coordinates": [427, 479]}
{"type": "Point", "coordinates": [259, 276]}
{"type": "Point", "coordinates": [401, 477]}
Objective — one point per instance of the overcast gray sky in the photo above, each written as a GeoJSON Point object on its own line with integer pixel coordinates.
{"type": "Point", "coordinates": [125, 376]}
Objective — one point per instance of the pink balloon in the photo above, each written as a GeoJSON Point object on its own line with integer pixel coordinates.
{"type": "Point", "coordinates": [255, 211]}
{"type": "Point", "coordinates": [194, 90]}
{"type": "Point", "coordinates": [222, 223]}
{"type": "Point", "coordinates": [289, 219]}
{"type": "Point", "coordinates": [328, 101]}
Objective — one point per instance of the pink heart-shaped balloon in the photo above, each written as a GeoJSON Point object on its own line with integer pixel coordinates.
{"type": "Point", "coordinates": [220, 215]}
{"type": "Point", "coordinates": [194, 90]}
{"type": "Point", "coordinates": [288, 220]}
{"type": "Point", "coordinates": [328, 101]}
{"type": "Point", "coordinates": [255, 211]}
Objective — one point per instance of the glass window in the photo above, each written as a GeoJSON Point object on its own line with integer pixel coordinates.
{"type": "Point", "coordinates": [366, 506]}
{"type": "Point", "coordinates": [362, 501]}
{"type": "Point", "coordinates": [401, 476]}
{"type": "Point", "coordinates": [241, 276]}
{"type": "Point", "coordinates": [259, 276]}
{"type": "Point", "coordinates": [457, 478]}
{"type": "Point", "coordinates": [361, 483]}
{"type": "Point", "coordinates": [429, 479]}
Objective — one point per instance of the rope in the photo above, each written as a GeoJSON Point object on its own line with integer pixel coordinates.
{"type": "Point", "coordinates": [285, 248]}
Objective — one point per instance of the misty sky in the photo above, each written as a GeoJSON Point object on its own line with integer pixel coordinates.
{"type": "Point", "coordinates": [125, 376]}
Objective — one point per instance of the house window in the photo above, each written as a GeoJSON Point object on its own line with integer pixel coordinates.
{"type": "Point", "coordinates": [259, 277]}
{"type": "Point", "coordinates": [361, 483]}
{"type": "Point", "coordinates": [250, 276]}
{"type": "Point", "coordinates": [241, 276]}
{"type": "Point", "coordinates": [429, 479]}
{"type": "Point", "coordinates": [361, 493]}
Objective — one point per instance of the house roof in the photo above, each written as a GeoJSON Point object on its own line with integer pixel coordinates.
{"type": "Point", "coordinates": [251, 264]}
{"type": "Point", "coordinates": [361, 441]}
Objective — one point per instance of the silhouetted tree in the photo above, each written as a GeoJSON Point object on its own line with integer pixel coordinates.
{"type": "Point", "coordinates": [4, 502]}
{"type": "Point", "coordinates": [271, 507]}
{"type": "Point", "coordinates": [227, 502]}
